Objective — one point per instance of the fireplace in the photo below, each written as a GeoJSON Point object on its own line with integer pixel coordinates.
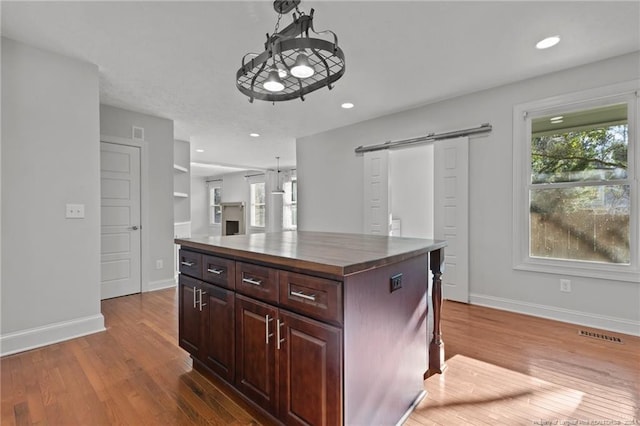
{"type": "Point", "coordinates": [232, 218]}
{"type": "Point", "coordinates": [232, 227]}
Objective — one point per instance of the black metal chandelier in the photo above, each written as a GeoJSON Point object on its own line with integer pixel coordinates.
{"type": "Point", "coordinates": [292, 64]}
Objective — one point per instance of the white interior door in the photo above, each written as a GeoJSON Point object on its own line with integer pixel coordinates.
{"type": "Point", "coordinates": [120, 220]}
{"type": "Point", "coordinates": [377, 210]}
{"type": "Point", "coordinates": [451, 215]}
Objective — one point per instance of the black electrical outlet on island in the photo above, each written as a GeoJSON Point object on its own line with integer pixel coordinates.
{"type": "Point", "coordinates": [396, 282]}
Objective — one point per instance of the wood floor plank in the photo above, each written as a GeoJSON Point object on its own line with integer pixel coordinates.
{"type": "Point", "coordinates": [503, 369]}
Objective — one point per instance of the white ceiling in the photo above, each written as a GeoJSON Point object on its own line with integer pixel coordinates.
{"type": "Point", "coordinates": [178, 60]}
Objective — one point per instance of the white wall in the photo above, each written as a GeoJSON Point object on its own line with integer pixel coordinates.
{"type": "Point", "coordinates": [200, 208]}
{"type": "Point", "coordinates": [157, 198]}
{"type": "Point", "coordinates": [50, 157]}
{"type": "Point", "coordinates": [411, 182]}
{"type": "Point", "coordinates": [330, 198]}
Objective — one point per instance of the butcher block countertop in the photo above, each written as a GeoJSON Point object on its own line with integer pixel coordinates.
{"type": "Point", "coordinates": [332, 254]}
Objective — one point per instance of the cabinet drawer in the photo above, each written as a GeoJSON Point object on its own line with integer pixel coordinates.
{"type": "Point", "coordinates": [317, 297]}
{"type": "Point", "coordinates": [218, 270]}
{"type": "Point", "coordinates": [257, 281]}
{"type": "Point", "coordinates": [190, 263]}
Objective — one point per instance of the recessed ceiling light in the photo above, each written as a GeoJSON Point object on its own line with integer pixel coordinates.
{"type": "Point", "coordinates": [199, 150]}
{"type": "Point", "coordinates": [548, 42]}
{"type": "Point", "coordinates": [560, 117]}
{"type": "Point", "coordinates": [254, 135]}
{"type": "Point", "coordinates": [347, 105]}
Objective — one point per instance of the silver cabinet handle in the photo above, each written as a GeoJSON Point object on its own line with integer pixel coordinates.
{"type": "Point", "coordinates": [187, 263]}
{"type": "Point", "coordinates": [215, 271]}
{"type": "Point", "coordinates": [194, 296]}
{"type": "Point", "coordinates": [311, 297]}
{"type": "Point", "coordinates": [252, 281]}
{"type": "Point", "coordinates": [267, 319]}
{"type": "Point", "coordinates": [280, 324]}
{"type": "Point", "coordinates": [202, 304]}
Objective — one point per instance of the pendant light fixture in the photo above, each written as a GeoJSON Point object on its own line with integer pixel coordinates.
{"type": "Point", "coordinates": [292, 63]}
{"type": "Point", "coordinates": [278, 190]}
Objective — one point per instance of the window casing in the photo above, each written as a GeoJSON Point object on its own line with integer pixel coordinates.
{"type": "Point", "coordinates": [576, 193]}
{"type": "Point", "coordinates": [258, 204]}
{"type": "Point", "coordinates": [290, 204]}
{"type": "Point", "coordinates": [215, 209]}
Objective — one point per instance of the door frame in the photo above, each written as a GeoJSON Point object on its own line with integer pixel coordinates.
{"type": "Point", "coordinates": [144, 202]}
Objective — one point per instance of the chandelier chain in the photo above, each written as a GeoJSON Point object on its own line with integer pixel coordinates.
{"type": "Point", "coordinates": [275, 30]}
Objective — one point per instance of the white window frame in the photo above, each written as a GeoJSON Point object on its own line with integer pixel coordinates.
{"type": "Point", "coordinates": [522, 117]}
{"type": "Point", "coordinates": [252, 205]}
{"type": "Point", "coordinates": [212, 186]}
{"type": "Point", "coordinates": [287, 204]}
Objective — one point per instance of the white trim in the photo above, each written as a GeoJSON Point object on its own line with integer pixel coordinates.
{"type": "Point", "coordinates": [619, 325]}
{"type": "Point", "coordinates": [521, 126]}
{"type": "Point", "coordinates": [37, 337]}
{"type": "Point", "coordinates": [160, 285]}
{"type": "Point", "coordinates": [144, 201]}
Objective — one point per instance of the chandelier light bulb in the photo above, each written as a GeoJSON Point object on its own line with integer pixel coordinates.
{"type": "Point", "coordinates": [273, 83]}
{"type": "Point", "coordinates": [302, 68]}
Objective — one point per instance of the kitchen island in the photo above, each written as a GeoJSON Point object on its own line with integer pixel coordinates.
{"type": "Point", "coordinates": [313, 327]}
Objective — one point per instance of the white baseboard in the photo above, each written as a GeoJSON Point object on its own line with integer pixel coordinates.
{"type": "Point", "coordinates": [619, 325]}
{"type": "Point", "coordinates": [32, 338]}
{"type": "Point", "coordinates": [161, 284]}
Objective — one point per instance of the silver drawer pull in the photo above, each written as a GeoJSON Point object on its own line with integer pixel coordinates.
{"type": "Point", "coordinates": [252, 281]}
{"type": "Point", "coordinates": [215, 271]}
{"type": "Point", "coordinates": [311, 297]}
{"type": "Point", "coordinates": [202, 293]}
{"type": "Point", "coordinates": [189, 264]}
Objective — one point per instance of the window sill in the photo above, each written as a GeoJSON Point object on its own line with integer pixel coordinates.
{"type": "Point", "coordinates": [580, 269]}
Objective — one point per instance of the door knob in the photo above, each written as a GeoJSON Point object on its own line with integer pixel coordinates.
{"type": "Point", "coordinates": [134, 228]}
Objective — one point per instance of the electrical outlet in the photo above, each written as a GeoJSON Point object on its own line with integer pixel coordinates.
{"type": "Point", "coordinates": [565, 286]}
{"type": "Point", "coordinates": [159, 264]}
{"type": "Point", "coordinates": [74, 211]}
{"type": "Point", "coordinates": [396, 282]}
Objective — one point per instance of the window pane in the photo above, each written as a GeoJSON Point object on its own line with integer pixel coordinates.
{"type": "Point", "coordinates": [587, 145]}
{"type": "Point", "coordinates": [589, 223]}
{"type": "Point", "coordinates": [258, 208]}
{"type": "Point", "coordinates": [217, 214]}
{"type": "Point", "coordinates": [217, 195]}
{"type": "Point", "coordinates": [258, 193]}
{"type": "Point", "coordinates": [258, 216]}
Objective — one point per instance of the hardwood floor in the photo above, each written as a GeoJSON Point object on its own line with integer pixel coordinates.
{"type": "Point", "coordinates": [503, 368]}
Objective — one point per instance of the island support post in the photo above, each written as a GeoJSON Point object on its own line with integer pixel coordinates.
{"type": "Point", "coordinates": [436, 347]}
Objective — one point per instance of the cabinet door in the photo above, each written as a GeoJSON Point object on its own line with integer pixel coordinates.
{"type": "Point", "coordinates": [310, 371]}
{"type": "Point", "coordinates": [190, 317]}
{"type": "Point", "coordinates": [255, 351]}
{"type": "Point", "coordinates": [220, 333]}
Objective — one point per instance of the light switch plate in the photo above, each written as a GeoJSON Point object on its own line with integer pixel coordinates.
{"type": "Point", "coordinates": [75, 211]}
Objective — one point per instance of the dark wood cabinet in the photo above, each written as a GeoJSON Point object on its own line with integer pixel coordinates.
{"type": "Point", "coordinates": [219, 332]}
{"type": "Point", "coordinates": [191, 320]}
{"type": "Point", "coordinates": [313, 328]}
{"type": "Point", "coordinates": [256, 352]}
{"type": "Point", "coordinates": [310, 379]}
{"type": "Point", "coordinates": [206, 326]}
{"type": "Point", "coordinates": [288, 364]}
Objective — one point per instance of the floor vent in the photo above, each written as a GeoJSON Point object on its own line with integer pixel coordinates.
{"type": "Point", "coordinates": [600, 336]}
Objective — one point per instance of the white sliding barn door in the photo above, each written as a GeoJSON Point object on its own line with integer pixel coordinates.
{"type": "Point", "coordinates": [451, 215]}
{"type": "Point", "coordinates": [120, 220]}
{"type": "Point", "coordinates": [377, 210]}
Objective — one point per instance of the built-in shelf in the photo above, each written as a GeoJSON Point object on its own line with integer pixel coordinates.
{"type": "Point", "coordinates": [181, 195]}
{"type": "Point", "coordinates": [180, 168]}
